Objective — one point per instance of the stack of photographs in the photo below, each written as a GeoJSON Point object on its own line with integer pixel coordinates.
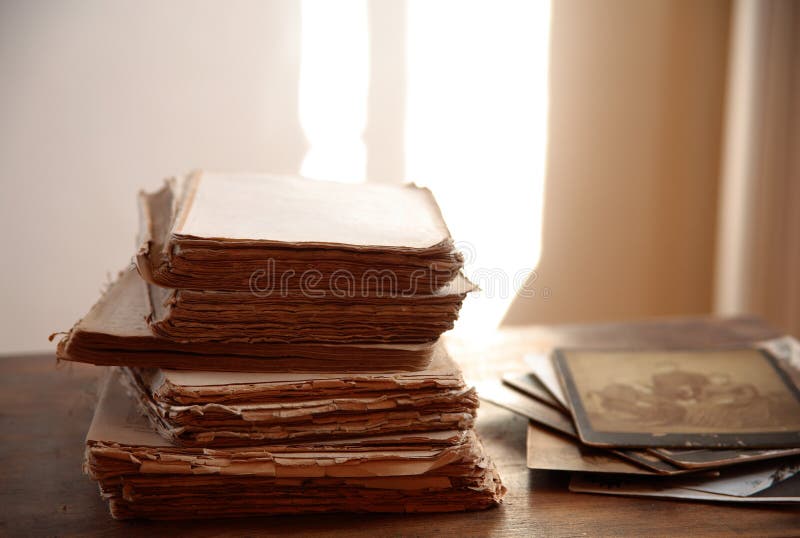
{"type": "Point", "coordinates": [700, 424]}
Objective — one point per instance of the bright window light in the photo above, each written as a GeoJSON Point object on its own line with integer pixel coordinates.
{"type": "Point", "coordinates": [475, 127]}
{"type": "Point", "coordinates": [476, 134]}
{"type": "Point", "coordinates": [334, 75]}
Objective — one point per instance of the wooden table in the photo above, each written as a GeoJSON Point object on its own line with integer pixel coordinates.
{"type": "Point", "coordinates": [46, 410]}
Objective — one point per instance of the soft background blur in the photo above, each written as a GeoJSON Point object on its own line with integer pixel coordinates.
{"type": "Point", "coordinates": [621, 158]}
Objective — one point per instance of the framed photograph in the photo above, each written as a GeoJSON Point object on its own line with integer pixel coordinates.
{"type": "Point", "coordinates": [735, 398]}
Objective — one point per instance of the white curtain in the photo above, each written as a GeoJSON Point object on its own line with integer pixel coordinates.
{"type": "Point", "coordinates": [758, 240]}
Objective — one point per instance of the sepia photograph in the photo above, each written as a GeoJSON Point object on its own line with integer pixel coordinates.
{"type": "Point", "coordinates": [713, 398]}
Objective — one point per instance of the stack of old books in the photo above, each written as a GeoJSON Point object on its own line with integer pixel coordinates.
{"type": "Point", "coordinates": [278, 351]}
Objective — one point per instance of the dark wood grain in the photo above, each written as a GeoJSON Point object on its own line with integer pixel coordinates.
{"type": "Point", "coordinates": [46, 410]}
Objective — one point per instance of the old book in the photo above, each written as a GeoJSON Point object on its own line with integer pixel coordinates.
{"type": "Point", "coordinates": [231, 232]}
{"type": "Point", "coordinates": [142, 475]}
{"type": "Point", "coordinates": [293, 316]}
{"type": "Point", "coordinates": [115, 332]}
{"type": "Point", "coordinates": [227, 409]}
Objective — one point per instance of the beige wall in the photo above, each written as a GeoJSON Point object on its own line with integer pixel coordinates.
{"type": "Point", "coordinates": [630, 196]}
{"type": "Point", "coordinates": [101, 98]}
{"type": "Point", "coordinates": [758, 248]}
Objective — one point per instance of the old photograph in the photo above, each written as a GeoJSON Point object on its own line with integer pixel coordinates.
{"type": "Point", "coordinates": [657, 393]}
